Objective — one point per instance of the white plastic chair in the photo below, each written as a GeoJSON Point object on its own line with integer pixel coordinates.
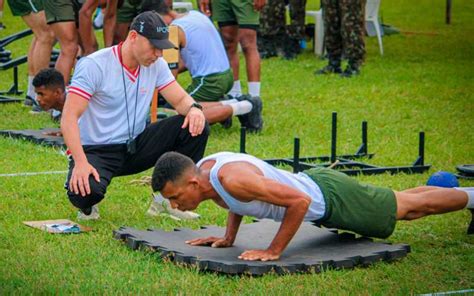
{"type": "Point", "coordinates": [318, 30]}
{"type": "Point", "coordinates": [182, 6]}
{"type": "Point", "coordinates": [372, 16]}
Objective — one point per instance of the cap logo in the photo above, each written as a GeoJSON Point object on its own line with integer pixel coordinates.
{"type": "Point", "coordinates": [162, 30]}
{"type": "Point", "coordinates": [141, 26]}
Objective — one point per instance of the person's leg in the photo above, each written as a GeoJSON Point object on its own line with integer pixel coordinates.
{"type": "Point", "coordinates": [1, 15]}
{"type": "Point", "coordinates": [230, 37]}
{"type": "Point", "coordinates": [332, 36]}
{"type": "Point", "coordinates": [352, 33]}
{"type": "Point", "coordinates": [66, 33]}
{"type": "Point", "coordinates": [428, 201]}
{"type": "Point", "coordinates": [296, 29]}
{"type": "Point", "coordinates": [43, 41]}
{"type": "Point", "coordinates": [420, 189]}
{"type": "Point", "coordinates": [107, 160]}
{"type": "Point", "coordinates": [160, 137]}
{"type": "Point", "coordinates": [248, 42]}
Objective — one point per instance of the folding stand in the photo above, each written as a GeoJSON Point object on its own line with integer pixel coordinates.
{"type": "Point", "coordinates": [345, 163]}
{"type": "Point", "coordinates": [7, 63]}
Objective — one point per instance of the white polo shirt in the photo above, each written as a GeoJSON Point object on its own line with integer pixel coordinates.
{"type": "Point", "coordinates": [102, 79]}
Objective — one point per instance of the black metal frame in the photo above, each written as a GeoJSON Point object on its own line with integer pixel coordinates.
{"type": "Point", "coordinates": [14, 90]}
{"type": "Point", "coordinates": [345, 163]}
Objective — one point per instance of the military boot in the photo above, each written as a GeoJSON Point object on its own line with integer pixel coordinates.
{"type": "Point", "coordinates": [351, 70]}
{"type": "Point", "coordinates": [334, 66]}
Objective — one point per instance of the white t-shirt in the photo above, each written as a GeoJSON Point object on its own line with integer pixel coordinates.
{"type": "Point", "coordinates": [204, 53]}
{"type": "Point", "coordinates": [260, 209]}
{"type": "Point", "coordinates": [103, 80]}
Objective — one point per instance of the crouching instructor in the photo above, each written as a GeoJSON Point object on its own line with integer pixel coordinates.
{"type": "Point", "coordinates": [104, 118]}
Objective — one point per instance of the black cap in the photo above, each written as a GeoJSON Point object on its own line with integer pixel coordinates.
{"type": "Point", "coordinates": [150, 25]}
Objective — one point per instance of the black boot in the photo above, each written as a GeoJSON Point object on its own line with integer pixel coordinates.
{"type": "Point", "coordinates": [334, 66]}
{"type": "Point", "coordinates": [266, 47]}
{"type": "Point", "coordinates": [351, 70]}
{"type": "Point", "coordinates": [291, 48]}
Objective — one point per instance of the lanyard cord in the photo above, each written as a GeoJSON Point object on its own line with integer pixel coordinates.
{"type": "Point", "coordinates": [130, 135]}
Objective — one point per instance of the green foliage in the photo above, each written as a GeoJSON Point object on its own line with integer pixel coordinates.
{"type": "Point", "coordinates": [424, 82]}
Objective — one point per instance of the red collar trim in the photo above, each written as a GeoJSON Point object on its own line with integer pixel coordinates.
{"type": "Point", "coordinates": [132, 75]}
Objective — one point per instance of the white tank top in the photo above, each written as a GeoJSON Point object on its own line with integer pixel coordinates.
{"type": "Point", "coordinates": [257, 208]}
{"type": "Point", "coordinates": [204, 53]}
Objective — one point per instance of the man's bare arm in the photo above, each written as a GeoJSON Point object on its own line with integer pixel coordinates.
{"type": "Point", "coordinates": [182, 102]}
{"type": "Point", "coordinates": [110, 18]}
{"type": "Point", "coordinates": [233, 224]}
{"type": "Point", "coordinates": [246, 183]}
{"type": "Point", "coordinates": [73, 109]}
{"type": "Point", "coordinates": [88, 40]}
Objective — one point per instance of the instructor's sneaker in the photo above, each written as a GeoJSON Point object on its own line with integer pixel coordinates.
{"type": "Point", "coordinates": [91, 213]}
{"type": "Point", "coordinates": [470, 229]}
{"type": "Point", "coordinates": [164, 208]}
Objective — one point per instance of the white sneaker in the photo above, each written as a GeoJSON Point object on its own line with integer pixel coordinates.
{"type": "Point", "coordinates": [160, 206]}
{"type": "Point", "coordinates": [94, 215]}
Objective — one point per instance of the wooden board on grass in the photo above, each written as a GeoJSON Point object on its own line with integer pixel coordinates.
{"type": "Point", "coordinates": [43, 225]}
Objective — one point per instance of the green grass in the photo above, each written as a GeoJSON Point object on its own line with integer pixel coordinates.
{"type": "Point", "coordinates": [424, 82]}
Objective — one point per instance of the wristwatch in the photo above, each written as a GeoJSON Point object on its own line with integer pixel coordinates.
{"type": "Point", "coordinates": [195, 105]}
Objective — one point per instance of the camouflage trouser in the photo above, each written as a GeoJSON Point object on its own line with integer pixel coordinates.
{"type": "Point", "coordinates": [344, 29]}
{"type": "Point", "coordinates": [272, 18]}
{"type": "Point", "coordinates": [297, 16]}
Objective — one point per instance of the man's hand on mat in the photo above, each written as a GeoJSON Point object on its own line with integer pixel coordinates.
{"type": "Point", "coordinates": [262, 255]}
{"type": "Point", "coordinates": [215, 242]}
{"type": "Point", "coordinates": [195, 120]}
{"type": "Point", "coordinates": [79, 182]}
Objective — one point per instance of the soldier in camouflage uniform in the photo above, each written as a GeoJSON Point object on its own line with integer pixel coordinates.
{"type": "Point", "coordinates": [272, 28]}
{"type": "Point", "coordinates": [273, 32]}
{"type": "Point", "coordinates": [344, 34]}
{"type": "Point", "coordinates": [295, 30]}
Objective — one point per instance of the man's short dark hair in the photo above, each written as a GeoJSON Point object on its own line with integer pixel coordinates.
{"type": "Point", "coordinates": [169, 168]}
{"type": "Point", "coordinates": [49, 78]}
{"type": "Point", "coordinates": [159, 6]}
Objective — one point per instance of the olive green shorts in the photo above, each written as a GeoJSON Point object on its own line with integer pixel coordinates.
{"type": "Point", "coordinates": [129, 10]}
{"type": "Point", "coordinates": [211, 88]}
{"type": "Point", "coordinates": [62, 11]}
{"type": "Point", "coordinates": [364, 209]}
{"type": "Point", "coordinates": [25, 7]}
{"type": "Point", "coordinates": [235, 12]}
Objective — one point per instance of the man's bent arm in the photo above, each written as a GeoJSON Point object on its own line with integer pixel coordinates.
{"type": "Point", "coordinates": [73, 109]}
{"type": "Point", "coordinates": [233, 224]}
{"type": "Point", "coordinates": [89, 42]}
{"type": "Point", "coordinates": [182, 102]}
{"type": "Point", "coordinates": [110, 18]}
{"type": "Point", "coordinates": [246, 183]}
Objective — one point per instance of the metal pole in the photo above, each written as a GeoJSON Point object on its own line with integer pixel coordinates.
{"type": "Point", "coordinates": [333, 137]}
{"type": "Point", "coordinates": [296, 156]}
{"type": "Point", "coordinates": [242, 139]}
{"type": "Point", "coordinates": [421, 149]}
{"type": "Point", "coordinates": [364, 137]}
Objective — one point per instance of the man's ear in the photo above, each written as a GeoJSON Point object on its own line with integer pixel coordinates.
{"type": "Point", "coordinates": [193, 181]}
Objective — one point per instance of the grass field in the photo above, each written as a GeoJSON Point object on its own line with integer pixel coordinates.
{"type": "Point", "coordinates": [424, 82]}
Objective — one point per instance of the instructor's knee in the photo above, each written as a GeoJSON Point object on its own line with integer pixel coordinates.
{"type": "Point", "coordinates": [97, 194]}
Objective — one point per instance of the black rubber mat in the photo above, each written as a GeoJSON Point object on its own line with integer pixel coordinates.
{"type": "Point", "coordinates": [37, 136]}
{"type": "Point", "coordinates": [313, 249]}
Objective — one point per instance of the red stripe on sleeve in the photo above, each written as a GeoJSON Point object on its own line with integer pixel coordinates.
{"type": "Point", "coordinates": [166, 85]}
